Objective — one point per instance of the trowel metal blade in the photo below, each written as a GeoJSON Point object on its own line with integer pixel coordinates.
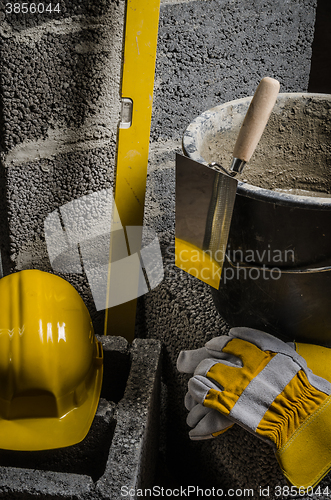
{"type": "Point", "coordinates": [205, 199]}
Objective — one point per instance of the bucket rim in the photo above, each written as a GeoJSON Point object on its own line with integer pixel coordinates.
{"type": "Point", "coordinates": [190, 143]}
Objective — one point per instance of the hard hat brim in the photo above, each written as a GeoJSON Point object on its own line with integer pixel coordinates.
{"type": "Point", "coordinates": [36, 434]}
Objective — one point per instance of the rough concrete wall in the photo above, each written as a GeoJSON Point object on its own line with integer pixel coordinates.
{"type": "Point", "coordinates": [210, 52]}
{"type": "Point", "coordinates": [60, 103]}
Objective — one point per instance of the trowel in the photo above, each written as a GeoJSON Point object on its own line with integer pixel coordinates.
{"type": "Point", "coordinates": [205, 194]}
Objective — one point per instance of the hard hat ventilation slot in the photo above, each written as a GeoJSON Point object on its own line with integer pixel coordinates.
{"type": "Point", "coordinates": [31, 404]}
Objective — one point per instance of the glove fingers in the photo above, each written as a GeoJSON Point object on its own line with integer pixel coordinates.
{"type": "Point", "coordinates": [196, 414]}
{"type": "Point", "coordinates": [262, 340]}
{"type": "Point", "coordinates": [215, 345]}
{"type": "Point", "coordinates": [189, 401]}
{"type": "Point", "coordinates": [205, 365]}
{"type": "Point", "coordinates": [199, 387]}
{"type": "Point", "coordinates": [188, 360]}
{"type": "Point", "coordinates": [206, 422]}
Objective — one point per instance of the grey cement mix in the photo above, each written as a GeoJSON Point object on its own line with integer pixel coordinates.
{"type": "Point", "coordinates": [59, 113]}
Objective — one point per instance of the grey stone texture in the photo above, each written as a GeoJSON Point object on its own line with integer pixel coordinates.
{"type": "Point", "coordinates": [133, 454]}
{"type": "Point", "coordinates": [121, 446]}
{"type": "Point", "coordinates": [213, 51]}
{"type": "Point", "coordinates": [60, 80]}
{"type": "Point", "coordinates": [210, 52]}
{"type": "Point", "coordinates": [59, 110]}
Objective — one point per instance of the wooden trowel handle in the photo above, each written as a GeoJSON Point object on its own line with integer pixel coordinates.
{"type": "Point", "coordinates": [256, 118]}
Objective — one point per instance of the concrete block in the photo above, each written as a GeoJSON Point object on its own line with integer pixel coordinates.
{"type": "Point", "coordinates": [132, 459]}
{"type": "Point", "coordinates": [60, 111]}
{"type": "Point", "coordinates": [121, 446]}
{"type": "Point", "coordinates": [37, 192]}
{"type": "Point", "coordinates": [214, 51]}
{"type": "Point", "coordinates": [62, 86]}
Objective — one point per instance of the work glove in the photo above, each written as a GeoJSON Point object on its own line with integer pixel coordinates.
{"type": "Point", "coordinates": [206, 423]}
{"type": "Point", "coordinates": [265, 385]}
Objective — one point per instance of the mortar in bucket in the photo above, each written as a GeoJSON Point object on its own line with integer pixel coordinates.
{"type": "Point", "coordinates": [277, 272]}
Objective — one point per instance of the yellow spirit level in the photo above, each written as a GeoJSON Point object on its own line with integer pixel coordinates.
{"type": "Point", "coordinates": [140, 42]}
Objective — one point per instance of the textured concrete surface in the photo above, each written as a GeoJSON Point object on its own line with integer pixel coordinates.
{"type": "Point", "coordinates": [214, 51]}
{"type": "Point", "coordinates": [209, 53]}
{"type": "Point", "coordinates": [60, 112]}
{"type": "Point", "coordinates": [121, 446]}
{"type": "Point", "coordinates": [59, 81]}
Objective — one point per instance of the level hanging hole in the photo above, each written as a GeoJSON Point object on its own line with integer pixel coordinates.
{"type": "Point", "coordinates": [126, 112]}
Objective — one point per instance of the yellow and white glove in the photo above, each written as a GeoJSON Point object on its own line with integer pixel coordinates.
{"type": "Point", "coordinates": [206, 423]}
{"type": "Point", "coordinates": [265, 385]}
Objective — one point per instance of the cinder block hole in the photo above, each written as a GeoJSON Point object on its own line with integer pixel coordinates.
{"type": "Point", "coordinates": [115, 375]}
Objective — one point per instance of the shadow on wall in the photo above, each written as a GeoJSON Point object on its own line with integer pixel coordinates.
{"type": "Point", "coordinates": [320, 73]}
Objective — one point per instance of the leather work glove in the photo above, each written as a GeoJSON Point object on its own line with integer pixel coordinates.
{"type": "Point", "coordinates": [266, 386]}
{"type": "Point", "coordinates": [206, 422]}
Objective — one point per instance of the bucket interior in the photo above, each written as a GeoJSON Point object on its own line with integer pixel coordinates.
{"type": "Point", "coordinates": [294, 152]}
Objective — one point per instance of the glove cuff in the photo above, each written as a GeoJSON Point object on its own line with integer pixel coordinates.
{"type": "Point", "coordinates": [306, 457]}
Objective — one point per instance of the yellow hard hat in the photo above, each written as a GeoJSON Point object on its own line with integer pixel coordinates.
{"type": "Point", "coordinates": [50, 363]}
